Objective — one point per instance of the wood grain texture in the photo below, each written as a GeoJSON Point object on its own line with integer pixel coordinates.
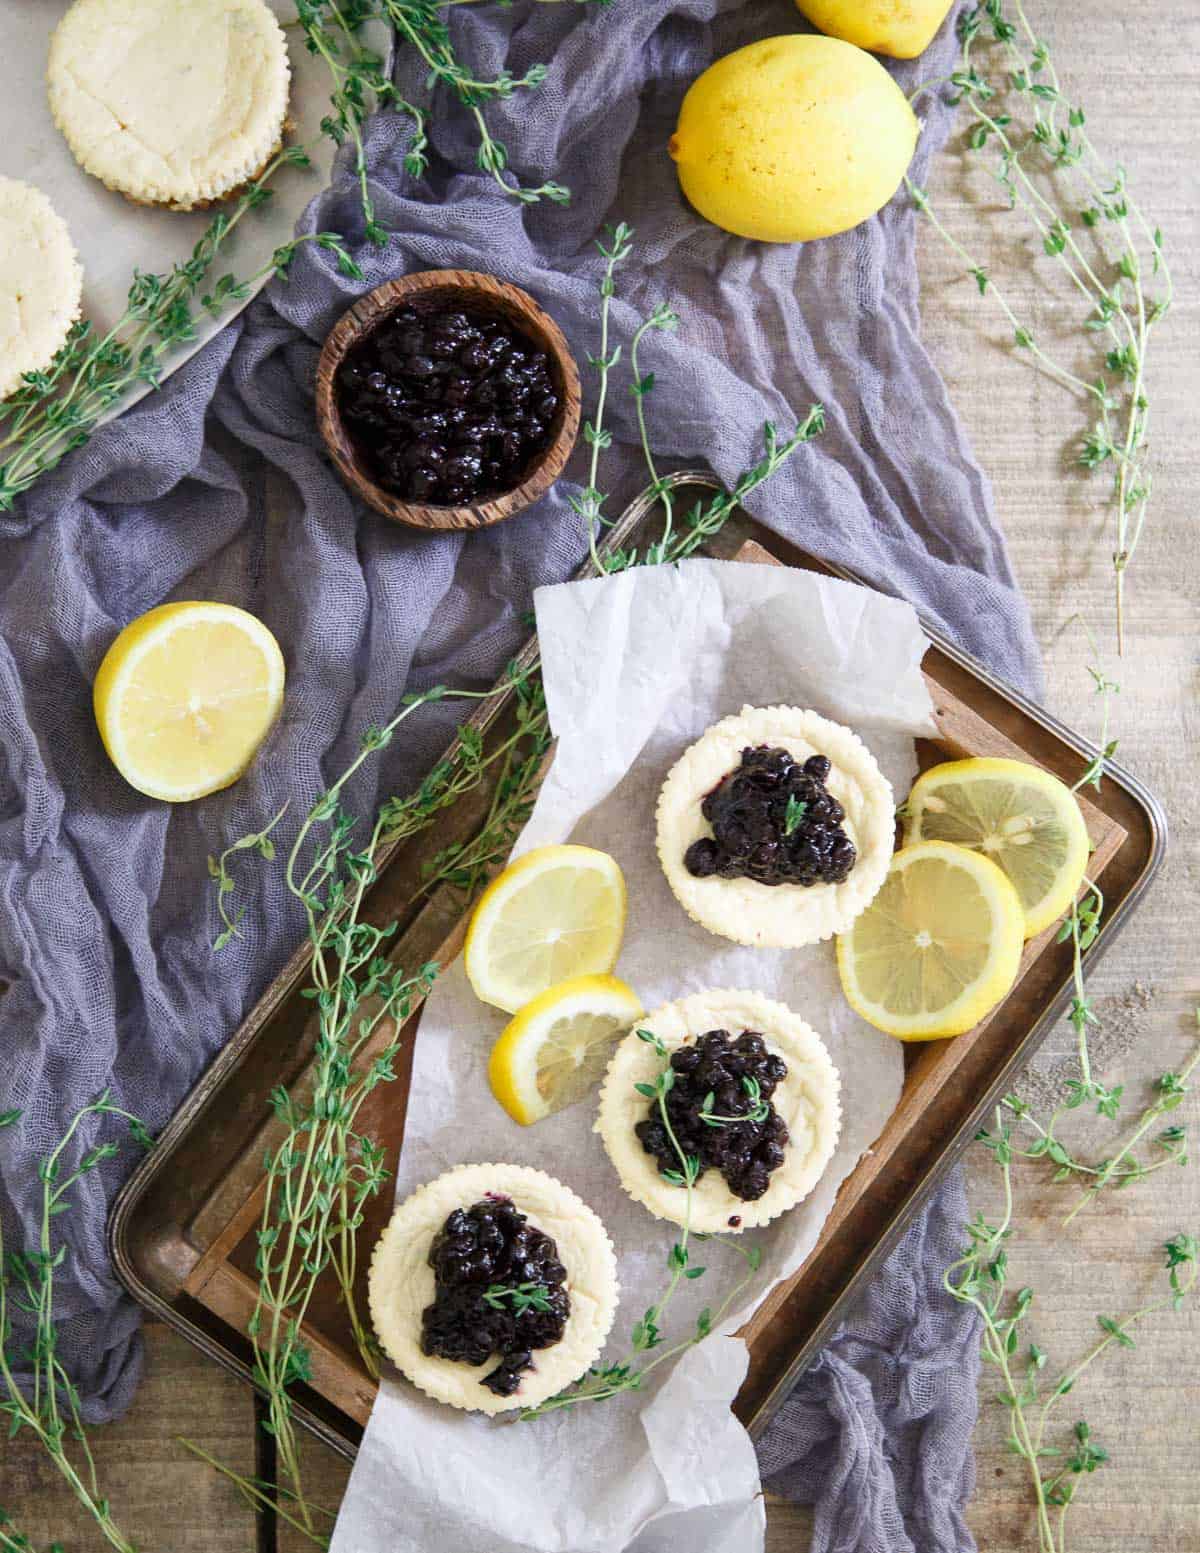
{"type": "Point", "coordinates": [1136, 67]}
{"type": "Point", "coordinates": [458, 288]}
{"type": "Point", "coordinates": [162, 1497]}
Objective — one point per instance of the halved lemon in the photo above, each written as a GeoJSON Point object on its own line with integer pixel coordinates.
{"type": "Point", "coordinates": [1020, 816]}
{"type": "Point", "coordinates": [554, 1052]}
{"type": "Point", "coordinates": [555, 913]}
{"type": "Point", "coordinates": [937, 948]}
{"type": "Point", "coordinates": [184, 697]}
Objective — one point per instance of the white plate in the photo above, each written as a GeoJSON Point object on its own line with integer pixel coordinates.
{"type": "Point", "coordinates": [114, 237]}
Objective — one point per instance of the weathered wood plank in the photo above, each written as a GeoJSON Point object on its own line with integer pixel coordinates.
{"type": "Point", "coordinates": [1135, 68]}
{"type": "Point", "coordinates": [163, 1498]}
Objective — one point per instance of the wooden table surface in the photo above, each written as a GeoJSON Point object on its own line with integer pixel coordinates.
{"type": "Point", "coordinates": [1135, 67]}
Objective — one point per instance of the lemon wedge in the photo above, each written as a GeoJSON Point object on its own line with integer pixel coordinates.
{"type": "Point", "coordinates": [555, 1051]}
{"type": "Point", "coordinates": [185, 696]}
{"type": "Point", "coordinates": [1020, 816]}
{"type": "Point", "coordinates": [937, 948]}
{"type": "Point", "coordinates": [555, 913]}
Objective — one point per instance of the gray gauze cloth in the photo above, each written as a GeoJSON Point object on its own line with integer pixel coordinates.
{"type": "Point", "coordinates": [216, 487]}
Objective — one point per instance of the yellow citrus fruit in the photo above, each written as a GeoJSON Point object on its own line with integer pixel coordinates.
{"type": "Point", "coordinates": [185, 696]}
{"type": "Point", "coordinates": [793, 138]}
{"type": "Point", "coordinates": [555, 913]}
{"type": "Point", "coordinates": [937, 948]}
{"type": "Point", "coordinates": [1024, 819]}
{"type": "Point", "coordinates": [554, 1052]}
{"type": "Point", "coordinates": [901, 28]}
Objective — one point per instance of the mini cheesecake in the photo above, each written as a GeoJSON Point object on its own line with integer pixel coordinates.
{"type": "Point", "coordinates": [801, 832]}
{"type": "Point", "coordinates": [758, 1108]}
{"type": "Point", "coordinates": [41, 283]}
{"type": "Point", "coordinates": [443, 1275]}
{"type": "Point", "coordinates": [170, 102]}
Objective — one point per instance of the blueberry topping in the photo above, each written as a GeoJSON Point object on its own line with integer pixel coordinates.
{"type": "Point", "coordinates": [720, 1111]}
{"type": "Point", "coordinates": [774, 821]}
{"type": "Point", "coordinates": [423, 374]}
{"type": "Point", "coordinates": [499, 1289]}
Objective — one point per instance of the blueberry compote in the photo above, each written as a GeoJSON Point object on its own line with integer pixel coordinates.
{"type": "Point", "coordinates": [720, 1110]}
{"type": "Point", "coordinates": [500, 1289]}
{"type": "Point", "coordinates": [447, 404]}
{"type": "Point", "coordinates": [773, 820]}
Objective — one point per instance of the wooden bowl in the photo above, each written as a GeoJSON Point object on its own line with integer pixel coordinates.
{"type": "Point", "coordinates": [482, 293]}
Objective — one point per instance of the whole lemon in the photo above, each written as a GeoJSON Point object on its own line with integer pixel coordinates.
{"type": "Point", "coordinates": [793, 138]}
{"type": "Point", "coordinates": [902, 28]}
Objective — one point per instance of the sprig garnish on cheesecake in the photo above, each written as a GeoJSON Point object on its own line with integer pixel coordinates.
{"type": "Point", "coordinates": [524, 1296]}
{"type": "Point", "coordinates": [627, 1374]}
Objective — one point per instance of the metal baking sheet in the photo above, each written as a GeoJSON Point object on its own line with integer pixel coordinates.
{"type": "Point", "coordinates": [181, 1231]}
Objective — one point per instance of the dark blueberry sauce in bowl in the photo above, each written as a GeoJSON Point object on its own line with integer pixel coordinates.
{"type": "Point", "coordinates": [720, 1110]}
{"type": "Point", "coordinates": [499, 1289]}
{"type": "Point", "coordinates": [448, 399]}
{"type": "Point", "coordinates": [773, 820]}
{"type": "Point", "coordinates": [448, 406]}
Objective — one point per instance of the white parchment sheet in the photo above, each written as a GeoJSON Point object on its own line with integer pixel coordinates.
{"type": "Point", "coordinates": [636, 667]}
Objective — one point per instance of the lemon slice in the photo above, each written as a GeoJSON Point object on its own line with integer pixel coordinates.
{"type": "Point", "coordinates": [937, 948]}
{"type": "Point", "coordinates": [1020, 816]}
{"type": "Point", "coordinates": [555, 913]}
{"type": "Point", "coordinates": [185, 696]}
{"type": "Point", "coordinates": [554, 1052]}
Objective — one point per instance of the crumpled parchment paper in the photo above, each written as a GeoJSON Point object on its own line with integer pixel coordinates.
{"type": "Point", "coordinates": [636, 667]}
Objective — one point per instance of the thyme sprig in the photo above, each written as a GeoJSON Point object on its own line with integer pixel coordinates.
{"type": "Point", "coordinates": [758, 1112]}
{"type": "Point", "coordinates": [13, 1540]}
{"type": "Point", "coordinates": [218, 870]}
{"type": "Point", "coordinates": [56, 411]}
{"type": "Point", "coordinates": [979, 1279]}
{"type": "Point", "coordinates": [360, 86]}
{"type": "Point", "coordinates": [323, 1172]}
{"type": "Point", "coordinates": [520, 1297]}
{"type": "Point", "coordinates": [49, 1405]}
{"type": "Point", "coordinates": [1041, 155]}
{"type": "Point", "coordinates": [1122, 1166]}
{"type": "Point", "coordinates": [630, 1373]}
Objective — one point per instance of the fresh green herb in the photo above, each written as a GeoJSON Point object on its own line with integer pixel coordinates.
{"type": "Point", "coordinates": [57, 410]}
{"type": "Point", "coordinates": [979, 1279]}
{"type": "Point", "coordinates": [14, 1541]}
{"type": "Point", "coordinates": [628, 1374]}
{"type": "Point", "coordinates": [1122, 1166]}
{"type": "Point", "coordinates": [334, 30]}
{"type": "Point", "coordinates": [218, 870]}
{"type": "Point", "coordinates": [1083, 216]}
{"type": "Point", "coordinates": [796, 810]}
{"type": "Point", "coordinates": [1106, 689]}
{"type": "Point", "coordinates": [323, 1172]}
{"type": "Point", "coordinates": [49, 1407]}
{"type": "Point", "coordinates": [522, 1297]}
{"type": "Point", "coordinates": [312, 1211]}
{"type": "Point", "coordinates": [759, 1108]}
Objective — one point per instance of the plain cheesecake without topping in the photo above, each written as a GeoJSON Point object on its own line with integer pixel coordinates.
{"type": "Point", "coordinates": [40, 283]}
{"type": "Point", "coordinates": [170, 102]}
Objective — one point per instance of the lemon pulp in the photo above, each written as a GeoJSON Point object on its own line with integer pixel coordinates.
{"type": "Point", "coordinates": [937, 948]}
{"type": "Point", "coordinates": [185, 695]}
{"type": "Point", "coordinates": [1021, 817]}
{"type": "Point", "coordinates": [554, 1052]}
{"type": "Point", "coordinates": [554, 913]}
